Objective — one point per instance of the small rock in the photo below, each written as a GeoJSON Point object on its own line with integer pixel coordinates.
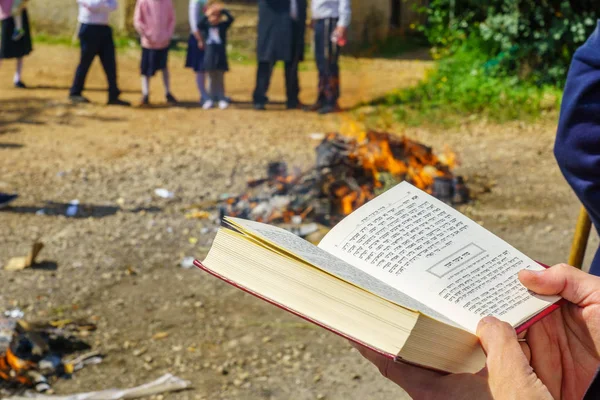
{"type": "Point", "coordinates": [139, 352]}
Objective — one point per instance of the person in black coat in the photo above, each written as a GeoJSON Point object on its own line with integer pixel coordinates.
{"type": "Point", "coordinates": [577, 146]}
{"type": "Point", "coordinates": [281, 29]}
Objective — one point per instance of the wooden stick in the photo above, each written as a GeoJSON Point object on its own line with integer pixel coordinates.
{"type": "Point", "coordinates": [580, 240]}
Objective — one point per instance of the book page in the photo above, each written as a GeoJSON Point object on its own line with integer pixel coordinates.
{"type": "Point", "coordinates": [321, 259]}
{"type": "Point", "coordinates": [431, 252]}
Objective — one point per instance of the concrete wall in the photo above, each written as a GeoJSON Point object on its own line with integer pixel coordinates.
{"type": "Point", "coordinates": [370, 22]}
{"type": "Point", "coordinates": [60, 16]}
{"type": "Point", "coordinates": [371, 19]}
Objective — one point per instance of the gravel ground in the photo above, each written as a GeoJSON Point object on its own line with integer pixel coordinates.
{"type": "Point", "coordinates": [118, 261]}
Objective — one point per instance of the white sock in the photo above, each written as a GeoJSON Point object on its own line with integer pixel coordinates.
{"type": "Point", "coordinates": [18, 71]}
{"type": "Point", "coordinates": [166, 81]}
{"type": "Point", "coordinates": [201, 83]}
{"type": "Point", "coordinates": [145, 85]}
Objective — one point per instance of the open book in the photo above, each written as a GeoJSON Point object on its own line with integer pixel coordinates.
{"type": "Point", "coordinates": [405, 275]}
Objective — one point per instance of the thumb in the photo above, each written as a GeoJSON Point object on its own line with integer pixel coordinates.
{"type": "Point", "coordinates": [570, 283]}
{"type": "Point", "coordinates": [510, 375]}
{"type": "Point", "coordinates": [504, 353]}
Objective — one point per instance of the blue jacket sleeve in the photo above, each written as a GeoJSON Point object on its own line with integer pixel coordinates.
{"type": "Point", "coordinates": [577, 146]}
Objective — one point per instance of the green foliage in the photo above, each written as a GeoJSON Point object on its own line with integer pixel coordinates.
{"type": "Point", "coordinates": [465, 83]}
{"type": "Point", "coordinates": [533, 39]}
{"type": "Point", "coordinates": [506, 59]}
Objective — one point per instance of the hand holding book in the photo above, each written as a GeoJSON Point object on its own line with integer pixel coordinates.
{"type": "Point", "coordinates": [560, 355]}
{"type": "Point", "coordinates": [405, 275]}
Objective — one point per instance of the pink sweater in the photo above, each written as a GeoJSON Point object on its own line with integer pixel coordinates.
{"type": "Point", "coordinates": [5, 9]}
{"type": "Point", "coordinates": [154, 20]}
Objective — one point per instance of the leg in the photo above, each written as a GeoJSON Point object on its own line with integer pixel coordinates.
{"type": "Point", "coordinates": [332, 71]}
{"type": "Point", "coordinates": [109, 62]}
{"type": "Point", "coordinates": [263, 81]}
{"type": "Point", "coordinates": [201, 83]}
{"type": "Point", "coordinates": [18, 72]}
{"type": "Point", "coordinates": [220, 85]}
{"type": "Point", "coordinates": [166, 81]}
{"type": "Point", "coordinates": [89, 48]}
{"type": "Point", "coordinates": [292, 84]}
{"type": "Point", "coordinates": [320, 59]}
{"type": "Point", "coordinates": [211, 98]}
{"type": "Point", "coordinates": [145, 85]}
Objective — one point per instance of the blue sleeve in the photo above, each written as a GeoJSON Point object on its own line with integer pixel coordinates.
{"type": "Point", "coordinates": [577, 146]}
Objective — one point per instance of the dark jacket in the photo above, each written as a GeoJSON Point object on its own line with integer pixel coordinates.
{"type": "Point", "coordinates": [215, 55]}
{"type": "Point", "coordinates": [577, 147]}
{"type": "Point", "coordinates": [280, 38]}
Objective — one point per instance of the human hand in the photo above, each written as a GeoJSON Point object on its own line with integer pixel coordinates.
{"type": "Point", "coordinates": [559, 359]}
{"type": "Point", "coordinates": [423, 384]}
{"type": "Point", "coordinates": [341, 33]}
{"type": "Point", "coordinates": [199, 40]}
{"type": "Point", "coordinates": [510, 376]}
{"type": "Point", "coordinates": [564, 345]}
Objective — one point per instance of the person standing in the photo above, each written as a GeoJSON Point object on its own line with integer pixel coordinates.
{"type": "Point", "coordinates": [577, 146]}
{"type": "Point", "coordinates": [13, 45]}
{"type": "Point", "coordinates": [281, 29]}
{"type": "Point", "coordinates": [330, 21]}
{"type": "Point", "coordinates": [195, 51]}
{"type": "Point", "coordinates": [96, 39]}
{"type": "Point", "coordinates": [154, 20]}
{"type": "Point", "coordinates": [214, 32]}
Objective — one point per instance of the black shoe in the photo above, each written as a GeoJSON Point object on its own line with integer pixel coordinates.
{"type": "Point", "coordinates": [295, 106]}
{"type": "Point", "coordinates": [328, 109]}
{"type": "Point", "coordinates": [20, 85]}
{"type": "Point", "coordinates": [260, 106]}
{"type": "Point", "coordinates": [313, 108]}
{"type": "Point", "coordinates": [5, 199]}
{"type": "Point", "coordinates": [171, 99]}
{"type": "Point", "coordinates": [78, 99]}
{"type": "Point", "coordinates": [145, 101]}
{"type": "Point", "coordinates": [118, 102]}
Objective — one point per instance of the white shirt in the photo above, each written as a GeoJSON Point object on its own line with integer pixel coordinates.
{"type": "Point", "coordinates": [195, 12]}
{"type": "Point", "coordinates": [213, 36]}
{"type": "Point", "coordinates": [95, 12]}
{"type": "Point", "coordinates": [341, 9]}
{"type": "Point", "coordinates": [294, 9]}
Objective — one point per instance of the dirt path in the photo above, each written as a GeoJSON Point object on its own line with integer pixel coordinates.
{"type": "Point", "coordinates": [119, 263]}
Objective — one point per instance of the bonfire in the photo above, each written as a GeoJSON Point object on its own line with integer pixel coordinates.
{"type": "Point", "coordinates": [349, 171]}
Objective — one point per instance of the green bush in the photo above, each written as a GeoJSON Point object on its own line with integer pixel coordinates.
{"type": "Point", "coordinates": [506, 59]}
{"type": "Point", "coordinates": [532, 39]}
{"type": "Point", "coordinates": [465, 83]}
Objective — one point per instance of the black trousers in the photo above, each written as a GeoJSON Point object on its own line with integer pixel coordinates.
{"type": "Point", "coordinates": [327, 56]}
{"type": "Point", "coordinates": [263, 81]}
{"type": "Point", "coordinates": [96, 40]}
{"type": "Point", "coordinates": [292, 82]}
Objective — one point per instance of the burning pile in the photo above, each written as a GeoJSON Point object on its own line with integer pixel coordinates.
{"type": "Point", "coordinates": [349, 172]}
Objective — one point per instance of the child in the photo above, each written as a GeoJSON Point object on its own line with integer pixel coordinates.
{"type": "Point", "coordinates": [17, 13]}
{"type": "Point", "coordinates": [154, 20]}
{"type": "Point", "coordinates": [96, 39]}
{"type": "Point", "coordinates": [214, 33]}
{"type": "Point", "coordinates": [195, 50]}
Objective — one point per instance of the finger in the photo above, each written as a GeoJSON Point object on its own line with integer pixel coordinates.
{"type": "Point", "coordinates": [504, 353]}
{"type": "Point", "coordinates": [570, 283]}
{"type": "Point", "coordinates": [527, 351]}
{"type": "Point", "coordinates": [410, 378]}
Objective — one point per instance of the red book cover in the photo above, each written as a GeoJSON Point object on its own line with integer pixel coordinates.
{"type": "Point", "coordinates": [519, 329]}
